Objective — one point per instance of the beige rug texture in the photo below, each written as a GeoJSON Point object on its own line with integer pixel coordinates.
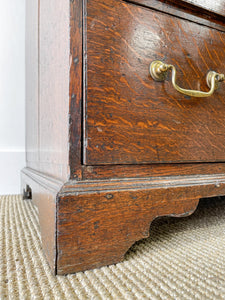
{"type": "Point", "coordinates": [184, 258]}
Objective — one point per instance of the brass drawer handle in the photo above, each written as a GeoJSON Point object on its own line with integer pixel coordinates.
{"type": "Point", "coordinates": [158, 71]}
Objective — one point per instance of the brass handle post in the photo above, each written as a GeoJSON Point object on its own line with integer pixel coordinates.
{"type": "Point", "coordinates": [159, 70]}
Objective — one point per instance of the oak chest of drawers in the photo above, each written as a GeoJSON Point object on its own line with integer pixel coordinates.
{"type": "Point", "coordinates": [114, 138]}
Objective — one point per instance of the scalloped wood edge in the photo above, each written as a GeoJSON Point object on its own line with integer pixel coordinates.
{"type": "Point", "coordinates": [89, 224]}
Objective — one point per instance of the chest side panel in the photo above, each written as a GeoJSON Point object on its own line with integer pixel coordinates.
{"type": "Point", "coordinates": [54, 67]}
{"type": "Point", "coordinates": [32, 131]}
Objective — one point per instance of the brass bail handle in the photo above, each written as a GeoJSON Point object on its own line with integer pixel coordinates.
{"type": "Point", "coordinates": [159, 70]}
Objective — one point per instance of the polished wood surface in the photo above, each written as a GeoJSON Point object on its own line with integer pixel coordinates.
{"type": "Point", "coordinates": [217, 6]}
{"type": "Point", "coordinates": [88, 86]}
{"type": "Point", "coordinates": [206, 10]}
{"type": "Point", "coordinates": [76, 90]}
{"type": "Point", "coordinates": [130, 118]}
{"type": "Point", "coordinates": [153, 170]}
{"type": "Point", "coordinates": [98, 221]}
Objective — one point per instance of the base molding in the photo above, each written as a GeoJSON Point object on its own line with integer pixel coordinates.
{"type": "Point", "coordinates": [142, 183]}
{"type": "Point", "coordinates": [44, 190]}
{"type": "Point", "coordinates": [89, 224]}
{"type": "Point", "coordinates": [46, 181]}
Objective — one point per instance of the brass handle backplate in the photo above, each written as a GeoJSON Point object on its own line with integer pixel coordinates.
{"type": "Point", "coordinates": [159, 70]}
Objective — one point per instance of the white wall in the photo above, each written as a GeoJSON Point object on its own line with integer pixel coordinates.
{"type": "Point", "coordinates": [12, 94]}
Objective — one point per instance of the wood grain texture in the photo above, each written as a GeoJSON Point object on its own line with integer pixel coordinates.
{"type": "Point", "coordinates": [76, 88]}
{"type": "Point", "coordinates": [97, 105]}
{"type": "Point", "coordinates": [98, 221]}
{"type": "Point", "coordinates": [130, 118]}
{"type": "Point", "coordinates": [154, 170]}
{"type": "Point", "coordinates": [207, 14]}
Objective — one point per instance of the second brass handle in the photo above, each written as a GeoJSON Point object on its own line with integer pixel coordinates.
{"type": "Point", "coordinates": [158, 71]}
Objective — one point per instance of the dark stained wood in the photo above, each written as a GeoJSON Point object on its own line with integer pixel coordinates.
{"type": "Point", "coordinates": [88, 86]}
{"type": "Point", "coordinates": [203, 12]}
{"type": "Point", "coordinates": [154, 170]}
{"type": "Point", "coordinates": [98, 221]}
{"type": "Point", "coordinates": [131, 119]}
{"type": "Point", "coordinates": [76, 65]}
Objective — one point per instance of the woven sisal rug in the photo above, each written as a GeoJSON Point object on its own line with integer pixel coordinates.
{"type": "Point", "coordinates": [182, 259]}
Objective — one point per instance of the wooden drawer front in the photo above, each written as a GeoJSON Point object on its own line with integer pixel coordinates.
{"type": "Point", "coordinates": [198, 6]}
{"type": "Point", "coordinates": [217, 6]}
{"type": "Point", "coordinates": [130, 118]}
